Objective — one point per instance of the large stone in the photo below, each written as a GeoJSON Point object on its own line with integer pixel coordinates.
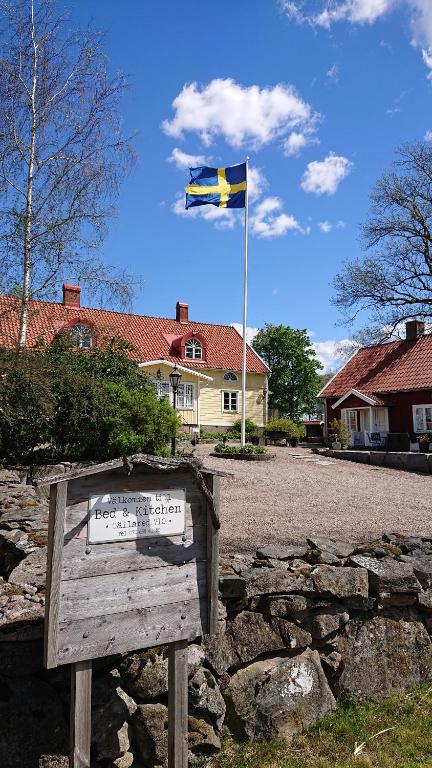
{"type": "Point", "coordinates": [205, 698]}
{"type": "Point", "coordinates": [284, 606]}
{"type": "Point", "coordinates": [202, 737]}
{"type": "Point", "coordinates": [323, 624]}
{"type": "Point", "coordinates": [250, 635]}
{"type": "Point", "coordinates": [278, 697]}
{"type": "Point", "coordinates": [281, 553]}
{"type": "Point", "coordinates": [111, 710]}
{"type": "Point", "coordinates": [31, 570]}
{"type": "Point", "coordinates": [340, 582]}
{"type": "Point", "coordinates": [384, 656]}
{"type": "Point", "coordinates": [231, 586]}
{"type": "Point", "coordinates": [32, 724]}
{"type": "Point", "coordinates": [15, 607]}
{"type": "Point", "coordinates": [388, 575]}
{"type": "Point", "coordinates": [150, 727]}
{"type": "Point", "coordinates": [338, 548]}
{"type": "Point", "coordinates": [276, 580]}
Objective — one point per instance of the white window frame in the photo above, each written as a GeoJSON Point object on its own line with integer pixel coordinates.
{"type": "Point", "coordinates": [79, 332]}
{"type": "Point", "coordinates": [230, 392]}
{"type": "Point", "coordinates": [186, 386]}
{"type": "Point", "coordinates": [423, 407]}
{"type": "Point", "coordinates": [230, 376]}
{"type": "Point", "coordinates": [196, 347]}
{"type": "Point", "coordinates": [160, 386]}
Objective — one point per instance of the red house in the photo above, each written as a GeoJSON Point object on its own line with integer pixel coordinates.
{"type": "Point", "coordinates": [385, 388]}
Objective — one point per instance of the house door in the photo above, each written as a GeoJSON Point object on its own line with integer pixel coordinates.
{"type": "Point", "coordinates": [352, 421]}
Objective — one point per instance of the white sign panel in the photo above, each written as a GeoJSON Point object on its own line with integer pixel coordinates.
{"type": "Point", "coordinates": [126, 515]}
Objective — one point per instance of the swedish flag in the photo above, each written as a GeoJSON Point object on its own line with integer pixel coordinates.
{"type": "Point", "coordinates": [223, 187]}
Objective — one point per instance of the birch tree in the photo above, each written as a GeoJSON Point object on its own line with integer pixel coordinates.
{"type": "Point", "coordinates": [62, 156]}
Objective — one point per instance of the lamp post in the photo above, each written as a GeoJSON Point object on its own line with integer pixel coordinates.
{"type": "Point", "coordinates": [174, 377]}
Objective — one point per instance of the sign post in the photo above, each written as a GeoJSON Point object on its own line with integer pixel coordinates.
{"type": "Point", "coordinates": [132, 563]}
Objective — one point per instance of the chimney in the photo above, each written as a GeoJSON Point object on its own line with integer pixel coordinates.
{"type": "Point", "coordinates": [414, 329]}
{"type": "Point", "coordinates": [182, 312]}
{"type": "Point", "coordinates": [71, 295]}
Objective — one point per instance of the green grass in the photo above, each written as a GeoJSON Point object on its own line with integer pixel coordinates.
{"type": "Point", "coordinates": [332, 743]}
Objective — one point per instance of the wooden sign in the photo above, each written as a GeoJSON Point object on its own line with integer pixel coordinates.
{"type": "Point", "coordinates": [132, 563]}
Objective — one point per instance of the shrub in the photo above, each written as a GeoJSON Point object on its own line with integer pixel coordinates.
{"type": "Point", "coordinates": [282, 425]}
{"type": "Point", "coordinates": [241, 449]}
{"type": "Point", "coordinates": [57, 404]}
{"type": "Point", "coordinates": [338, 432]}
{"type": "Point", "coordinates": [235, 430]}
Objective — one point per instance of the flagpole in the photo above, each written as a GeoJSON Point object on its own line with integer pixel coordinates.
{"type": "Point", "coordinates": [245, 286]}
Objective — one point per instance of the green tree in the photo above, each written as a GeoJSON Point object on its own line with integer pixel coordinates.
{"type": "Point", "coordinates": [294, 379]}
{"type": "Point", "coordinates": [62, 404]}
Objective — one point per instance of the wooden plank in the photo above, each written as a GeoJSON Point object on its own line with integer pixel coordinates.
{"type": "Point", "coordinates": [213, 484]}
{"type": "Point", "coordinates": [57, 509]}
{"type": "Point", "coordinates": [125, 632]}
{"type": "Point", "coordinates": [118, 593]}
{"type": "Point", "coordinates": [80, 714]}
{"type": "Point", "coordinates": [178, 705]}
{"type": "Point", "coordinates": [80, 560]}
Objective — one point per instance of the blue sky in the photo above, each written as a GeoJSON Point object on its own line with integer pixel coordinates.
{"type": "Point", "coordinates": [319, 99]}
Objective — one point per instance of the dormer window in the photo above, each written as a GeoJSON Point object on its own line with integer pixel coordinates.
{"type": "Point", "coordinates": [81, 336]}
{"type": "Point", "coordinates": [193, 349]}
{"type": "Point", "coordinates": [230, 376]}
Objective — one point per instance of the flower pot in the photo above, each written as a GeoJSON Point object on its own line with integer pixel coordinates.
{"type": "Point", "coordinates": [294, 442]}
{"type": "Point", "coordinates": [424, 447]}
{"type": "Point", "coordinates": [336, 446]}
{"type": "Point", "coordinates": [255, 440]}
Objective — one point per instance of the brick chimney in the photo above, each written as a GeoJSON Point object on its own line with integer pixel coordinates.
{"type": "Point", "coordinates": [182, 312]}
{"type": "Point", "coordinates": [71, 295]}
{"type": "Point", "coordinates": [414, 329]}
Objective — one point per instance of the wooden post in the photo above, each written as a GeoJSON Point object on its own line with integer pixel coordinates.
{"type": "Point", "coordinates": [178, 705]}
{"type": "Point", "coordinates": [80, 714]}
{"type": "Point", "coordinates": [213, 484]}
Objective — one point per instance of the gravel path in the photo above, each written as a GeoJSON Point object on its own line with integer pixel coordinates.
{"type": "Point", "coordinates": [299, 493]}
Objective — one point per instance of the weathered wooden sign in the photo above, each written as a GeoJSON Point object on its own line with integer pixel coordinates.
{"type": "Point", "coordinates": [132, 563]}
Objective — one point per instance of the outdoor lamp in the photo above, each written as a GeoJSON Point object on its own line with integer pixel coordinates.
{"type": "Point", "coordinates": [158, 374]}
{"type": "Point", "coordinates": [174, 378]}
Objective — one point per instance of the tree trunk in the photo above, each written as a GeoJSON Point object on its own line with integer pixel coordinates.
{"type": "Point", "coordinates": [22, 337]}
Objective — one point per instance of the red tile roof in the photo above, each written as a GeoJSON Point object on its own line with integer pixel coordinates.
{"type": "Point", "coordinates": [394, 367]}
{"type": "Point", "coordinates": [150, 336]}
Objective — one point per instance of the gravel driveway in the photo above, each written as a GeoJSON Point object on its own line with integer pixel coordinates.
{"type": "Point", "coordinates": [299, 493]}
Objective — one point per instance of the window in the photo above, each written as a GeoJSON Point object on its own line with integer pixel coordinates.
{"type": "Point", "coordinates": [162, 389]}
{"type": "Point", "coordinates": [185, 400]}
{"type": "Point", "coordinates": [229, 402]}
{"type": "Point", "coordinates": [422, 417]}
{"type": "Point", "coordinates": [81, 336]}
{"type": "Point", "coordinates": [193, 349]}
{"type": "Point", "coordinates": [185, 396]}
{"type": "Point", "coordinates": [229, 376]}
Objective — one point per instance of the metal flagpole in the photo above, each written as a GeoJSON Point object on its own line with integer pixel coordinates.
{"type": "Point", "coordinates": [243, 416]}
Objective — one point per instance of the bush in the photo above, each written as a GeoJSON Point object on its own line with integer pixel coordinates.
{"type": "Point", "coordinates": [248, 449]}
{"type": "Point", "coordinates": [283, 425]}
{"type": "Point", "coordinates": [338, 432]}
{"type": "Point", "coordinates": [235, 430]}
{"type": "Point", "coordinates": [57, 404]}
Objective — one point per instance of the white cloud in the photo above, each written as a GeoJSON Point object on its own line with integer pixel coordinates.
{"type": "Point", "coordinates": [323, 177]}
{"type": "Point", "coordinates": [367, 12]}
{"type": "Point", "coordinates": [333, 73]}
{"type": "Point", "coordinates": [183, 160]}
{"type": "Point", "coordinates": [329, 353]}
{"type": "Point", "coordinates": [296, 141]}
{"type": "Point", "coordinates": [222, 218]}
{"type": "Point", "coordinates": [242, 115]}
{"type": "Point", "coordinates": [428, 136]}
{"type": "Point", "coordinates": [325, 226]}
{"type": "Point", "coordinates": [250, 332]}
{"type": "Point", "coordinates": [257, 183]}
{"type": "Point", "coordinates": [268, 222]}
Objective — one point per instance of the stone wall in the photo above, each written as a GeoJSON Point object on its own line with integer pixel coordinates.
{"type": "Point", "coordinates": [299, 626]}
{"type": "Point", "coordinates": [410, 462]}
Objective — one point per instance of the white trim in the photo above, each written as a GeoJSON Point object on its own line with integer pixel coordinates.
{"type": "Point", "coordinates": [230, 392]}
{"type": "Point", "coordinates": [175, 365]}
{"type": "Point", "coordinates": [420, 405]}
{"type": "Point", "coordinates": [356, 393]}
{"type": "Point", "coordinates": [320, 393]}
{"type": "Point", "coordinates": [253, 352]}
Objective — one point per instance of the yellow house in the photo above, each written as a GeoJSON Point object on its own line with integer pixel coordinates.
{"type": "Point", "coordinates": [208, 356]}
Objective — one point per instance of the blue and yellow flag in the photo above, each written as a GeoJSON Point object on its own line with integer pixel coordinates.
{"type": "Point", "coordinates": [223, 187]}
